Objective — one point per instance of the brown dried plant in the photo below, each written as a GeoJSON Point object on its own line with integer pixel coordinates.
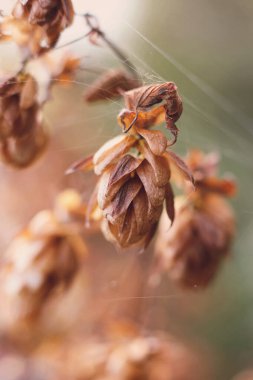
{"type": "Point", "coordinates": [132, 200]}
{"type": "Point", "coordinates": [44, 257]}
{"type": "Point", "coordinates": [49, 17]}
{"type": "Point", "coordinates": [22, 136]}
{"type": "Point", "coordinates": [193, 249]}
{"type": "Point", "coordinates": [135, 168]}
{"type": "Point", "coordinates": [110, 85]}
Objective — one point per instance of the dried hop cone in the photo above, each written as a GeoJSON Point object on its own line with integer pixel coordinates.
{"type": "Point", "coordinates": [192, 250]}
{"type": "Point", "coordinates": [22, 137]}
{"type": "Point", "coordinates": [52, 16]}
{"type": "Point", "coordinates": [134, 183]}
{"type": "Point", "coordinates": [43, 258]}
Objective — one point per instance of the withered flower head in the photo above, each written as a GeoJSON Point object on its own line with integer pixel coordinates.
{"type": "Point", "coordinates": [135, 168]}
{"type": "Point", "coordinates": [133, 186]}
{"type": "Point", "coordinates": [110, 85]}
{"type": "Point", "coordinates": [18, 106]}
{"type": "Point", "coordinates": [192, 250]}
{"type": "Point", "coordinates": [149, 105]}
{"type": "Point", "coordinates": [205, 168]}
{"type": "Point", "coordinates": [43, 258]}
{"type": "Point", "coordinates": [52, 16]}
{"type": "Point", "coordinates": [22, 137]}
{"type": "Point", "coordinates": [21, 152]}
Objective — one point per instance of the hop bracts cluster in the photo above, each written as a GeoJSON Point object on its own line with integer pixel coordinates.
{"type": "Point", "coordinates": [135, 170]}
{"type": "Point", "coordinates": [22, 136]}
{"type": "Point", "coordinates": [193, 249]}
{"type": "Point", "coordinates": [44, 257]}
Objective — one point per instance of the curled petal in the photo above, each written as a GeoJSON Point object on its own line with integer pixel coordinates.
{"type": "Point", "coordinates": [159, 164]}
{"type": "Point", "coordinates": [179, 169]}
{"type": "Point", "coordinates": [122, 199]}
{"type": "Point", "coordinates": [140, 211]}
{"type": "Point", "coordinates": [123, 168]}
{"type": "Point", "coordinates": [107, 192]}
{"type": "Point", "coordinates": [156, 140]}
{"type": "Point", "coordinates": [155, 193]}
{"type": "Point", "coordinates": [84, 164]}
{"type": "Point", "coordinates": [169, 198]}
{"type": "Point", "coordinates": [112, 150]}
{"type": "Point", "coordinates": [145, 97]}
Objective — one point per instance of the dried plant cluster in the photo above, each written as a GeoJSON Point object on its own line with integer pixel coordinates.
{"type": "Point", "coordinates": [133, 201]}
{"type": "Point", "coordinates": [192, 250]}
{"type": "Point", "coordinates": [44, 257]}
{"type": "Point", "coordinates": [23, 137]}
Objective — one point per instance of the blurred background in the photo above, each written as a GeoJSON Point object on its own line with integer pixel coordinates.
{"type": "Point", "coordinates": [206, 48]}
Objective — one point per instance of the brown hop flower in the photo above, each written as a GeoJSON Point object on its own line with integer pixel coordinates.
{"type": "Point", "coordinates": [52, 16]}
{"type": "Point", "coordinates": [43, 258]}
{"type": "Point", "coordinates": [192, 250]}
{"type": "Point", "coordinates": [22, 151]}
{"type": "Point", "coordinates": [135, 171]}
{"type": "Point", "coordinates": [22, 136]}
{"type": "Point", "coordinates": [18, 106]}
{"type": "Point", "coordinates": [110, 85]}
{"type": "Point", "coordinates": [133, 186]}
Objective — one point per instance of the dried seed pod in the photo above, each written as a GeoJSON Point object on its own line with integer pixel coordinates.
{"type": "Point", "coordinates": [22, 136]}
{"type": "Point", "coordinates": [133, 186]}
{"type": "Point", "coordinates": [51, 16]}
{"type": "Point", "coordinates": [21, 152]}
{"type": "Point", "coordinates": [135, 169]}
{"type": "Point", "coordinates": [192, 250]}
{"type": "Point", "coordinates": [110, 85]}
{"type": "Point", "coordinates": [43, 258]}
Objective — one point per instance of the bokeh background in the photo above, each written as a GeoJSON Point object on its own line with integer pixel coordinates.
{"type": "Point", "coordinates": [206, 48]}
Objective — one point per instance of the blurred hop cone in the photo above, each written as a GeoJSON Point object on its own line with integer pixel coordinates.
{"type": "Point", "coordinates": [42, 260]}
{"type": "Point", "coordinates": [110, 85]}
{"type": "Point", "coordinates": [131, 190]}
{"type": "Point", "coordinates": [22, 137]}
{"type": "Point", "coordinates": [135, 169]}
{"type": "Point", "coordinates": [200, 238]}
{"type": "Point", "coordinates": [48, 18]}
